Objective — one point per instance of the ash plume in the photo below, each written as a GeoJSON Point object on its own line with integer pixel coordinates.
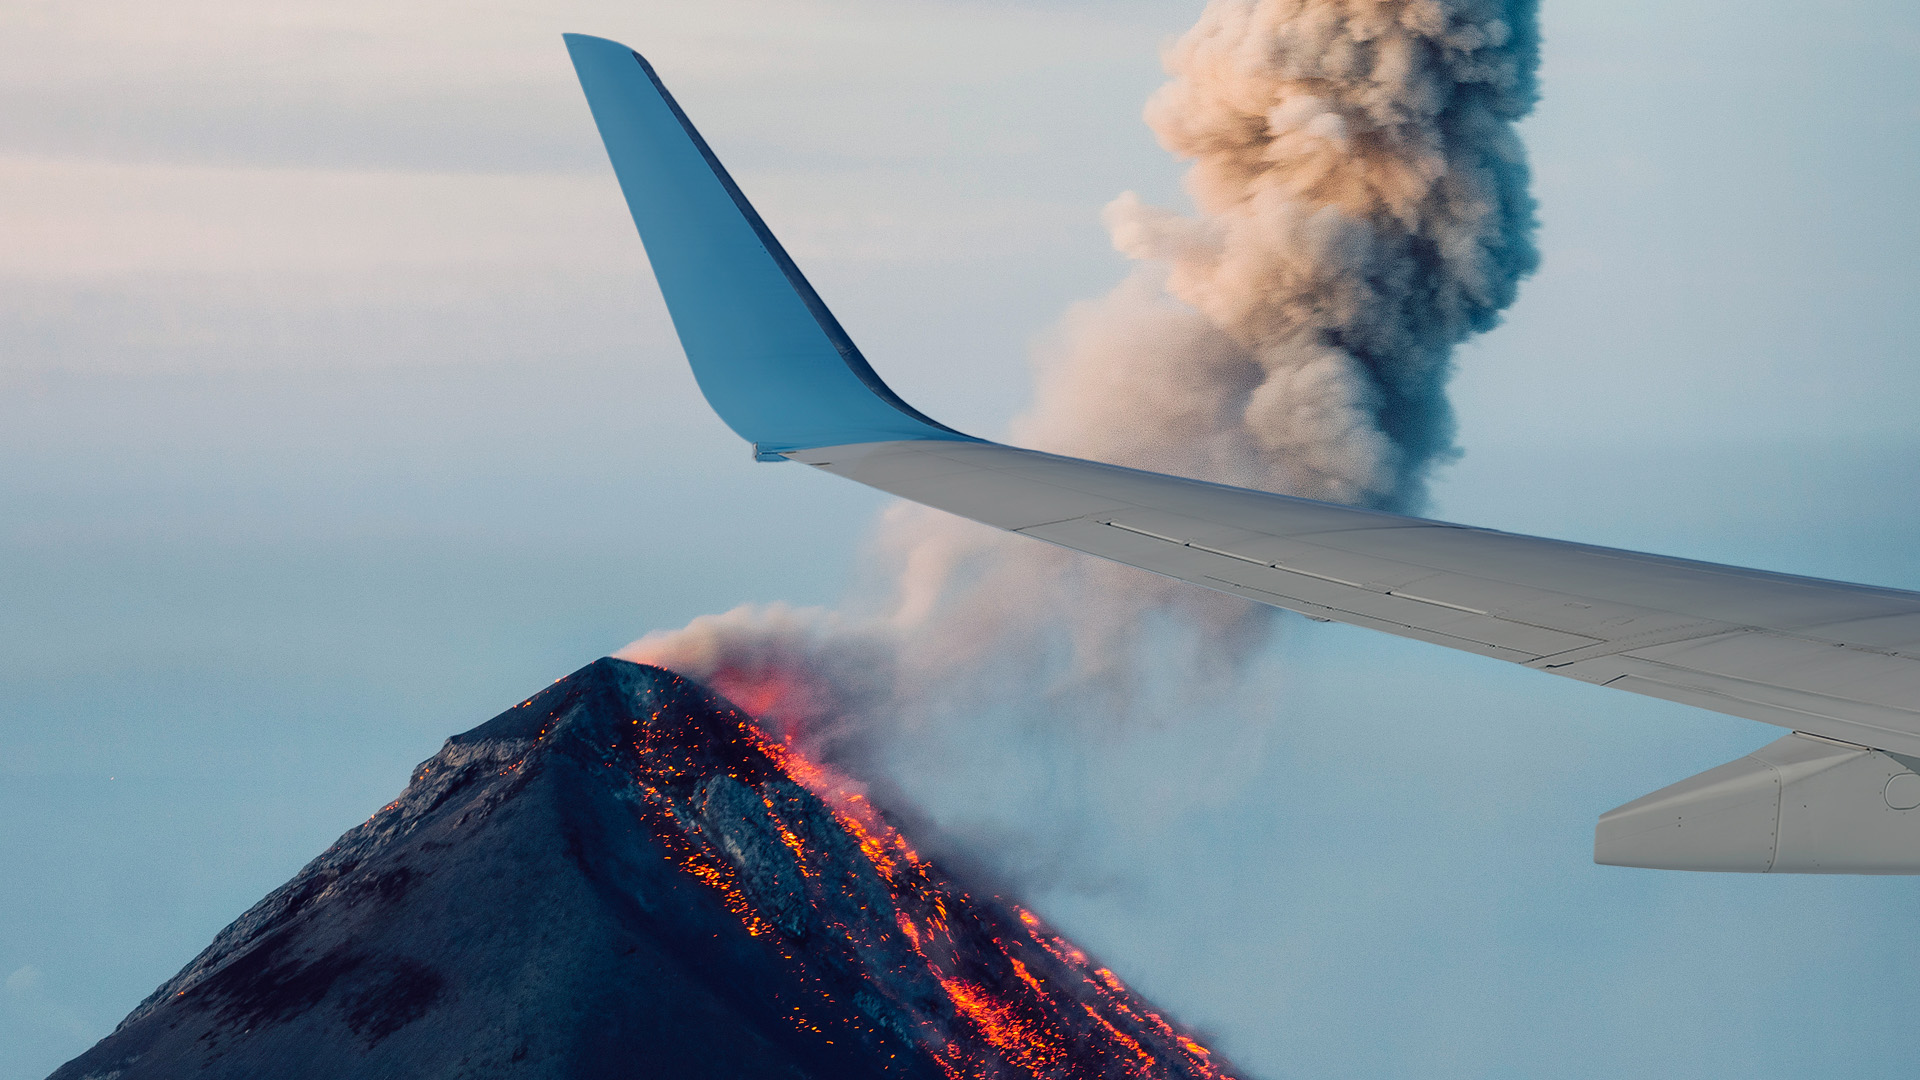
{"type": "Point", "coordinates": [1360, 208]}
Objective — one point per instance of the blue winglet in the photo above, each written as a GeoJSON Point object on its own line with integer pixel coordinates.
{"type": "Point", "coordinates": [770, 357]}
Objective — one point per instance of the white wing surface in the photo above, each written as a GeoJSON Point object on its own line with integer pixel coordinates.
{"type": "Point", "coordinates": [1834, 659]}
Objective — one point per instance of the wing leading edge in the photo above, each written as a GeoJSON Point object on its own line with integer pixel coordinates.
{"type": "Point", "coordinates": [1839, 661]}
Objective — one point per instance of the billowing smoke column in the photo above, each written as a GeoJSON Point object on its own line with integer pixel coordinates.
{"type": "Point", "coordinates": [1362, 208]}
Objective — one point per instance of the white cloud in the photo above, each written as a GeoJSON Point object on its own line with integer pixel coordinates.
{"type": "Point", "coordinates": [88, 220]}
{"type": "Point", "coordinates": [219, 79]}
{"type": "Point", "coordinates": [24, 981]}
{"type": "Point", "coordinates": [216, 185]}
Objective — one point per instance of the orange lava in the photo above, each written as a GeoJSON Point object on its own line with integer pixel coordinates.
{"type": "Point", "coordinates": [1021, 1001]}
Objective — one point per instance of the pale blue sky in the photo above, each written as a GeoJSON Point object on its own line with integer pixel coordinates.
{"type": "Point", "coordinates": [337, 412]}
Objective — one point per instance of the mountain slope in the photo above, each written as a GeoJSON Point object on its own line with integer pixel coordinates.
{"type": "Point", "coordinates": [622, 877]}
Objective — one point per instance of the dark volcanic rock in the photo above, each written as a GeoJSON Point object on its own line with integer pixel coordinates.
{"type": "Point", "coordinates": [621, 877]}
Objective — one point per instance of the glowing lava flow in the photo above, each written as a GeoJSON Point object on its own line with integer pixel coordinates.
{"type": "Point", "coordinates": [887, 945]}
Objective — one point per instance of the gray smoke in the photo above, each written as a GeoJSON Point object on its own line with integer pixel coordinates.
{"type": "Point", "coordinates": [1361, 207]}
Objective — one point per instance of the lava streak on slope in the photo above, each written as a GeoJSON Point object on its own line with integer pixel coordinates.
{"type": "Point", "coordinates": [883, 940]}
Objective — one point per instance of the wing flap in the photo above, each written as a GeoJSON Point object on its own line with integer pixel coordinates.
{"type": "Point", "coordinates": [1800, 805]}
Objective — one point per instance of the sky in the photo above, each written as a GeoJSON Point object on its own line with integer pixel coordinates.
{"type": "Point", "coordinates": [338, 412]}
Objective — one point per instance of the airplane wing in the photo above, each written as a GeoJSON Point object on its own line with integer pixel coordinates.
{"type": "Point", "coordinates": [1837, 664]}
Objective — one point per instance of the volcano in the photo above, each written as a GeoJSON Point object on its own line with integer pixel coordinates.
{"type": "Point", "coordinates": [624, 877]}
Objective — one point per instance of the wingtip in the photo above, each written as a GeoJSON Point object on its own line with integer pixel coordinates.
{"type": "Point", "coordinates": [785, 379]}
{"type": "Point", "coordinates": [575, 41]}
